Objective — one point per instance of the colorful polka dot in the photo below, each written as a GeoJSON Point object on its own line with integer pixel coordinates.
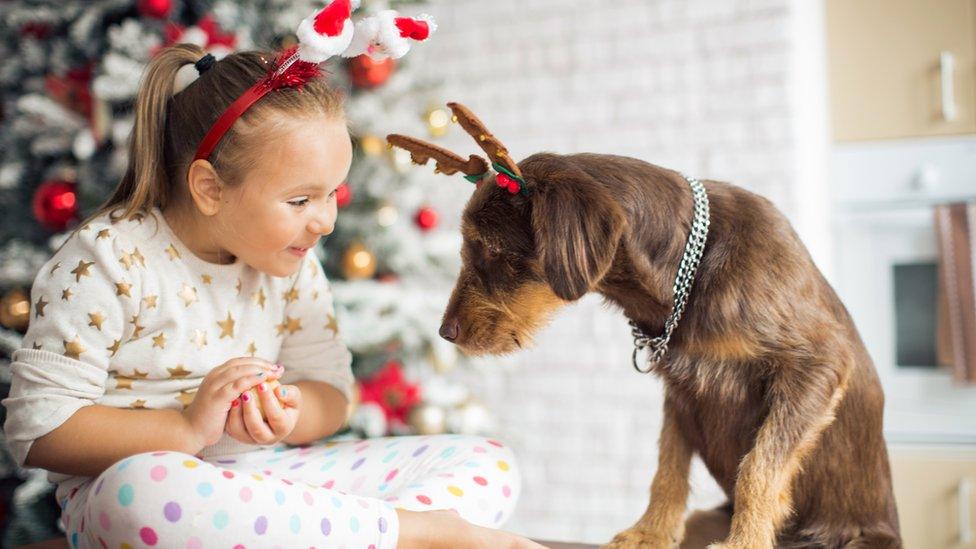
{"type": "Point", "coordinates": [158, 473]}
{"type": "Point", "coordinates": [295, 524]}
{"type": "Point", "coordinates": [220, 519]}
{"type": "Point", "coordinates": [495, 443]}
{"type": "Point", "coordinates": [194, 543]}
{"type": "Point", "coordinates": [104, 521]}
{"type": "Point", "coordinates": [256, 476]}
{"type": "Point", "coordinates": [420, 450]}
{"type": "Point", "coordinates": [354, 524]}
{"type": "Point", "coordinates": [148, 535]}
{"type": "Point", "coordinates": [447, 453]}
{"type": "Point", "coordinates": [172, 511]}
{"type": "Point", "coordinates": [325, 526]}
{"type": "Point", "coordinates": [506, 491]}
{"type": "Point", "coordinates": [455, 490]}
{"type": "Point", "coordinates": [308, 498]}
{"type": "Point", "coordinates": [503, 465]}
{"type": "Point", "coordinates": [358, 462]}
{"type": "Point", "coordinates": [423, 499]}
{"type": "Point", "coordinates": [205, 489]}
{"type": "Point", "coordinates": [228, 474]}
{"type": "Point", "coordinates": [246, 494]}
{"type": "Point", "coordinates": [191, 464]}
{"type": "Point", "coordinates": [382, 525]}
{"type": "Point", "coordinates": [390, 456]}
{"type": "Point", "coordinates": [391, 474]}
{"type": "Point", "coordinates": [261, 525]}
{"type": "Point", "coordinates": [126, 494]}
{"type": "Point", "coordinates": [280, 497]}
{"type": "Point", "coordinates": [481, 481]}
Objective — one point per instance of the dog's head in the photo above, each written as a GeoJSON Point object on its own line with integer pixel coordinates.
{"type": "Point", "coordinates": [539, 234]}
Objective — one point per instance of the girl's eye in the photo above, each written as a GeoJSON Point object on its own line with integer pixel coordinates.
{"type": "Point", "coordinates": [299, 202]}
{"type": "Point", "coordinates": [333, 193]}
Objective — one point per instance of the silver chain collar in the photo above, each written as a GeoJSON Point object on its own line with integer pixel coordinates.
{"type": "Point", "coordinates": [682, 282]}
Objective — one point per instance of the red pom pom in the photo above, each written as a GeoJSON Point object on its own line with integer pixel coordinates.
{"type": "Point", "coordinates": [55, 204]}
{"type": "Point", "coordinates": [426, 218]}
{"type": "Point", "coordinates": [503, 180]}
{"type": "Point", "coordinates": [514, 187]}
{"type": "Point", "coordinates": [343, 195]}
{"type": "Point", "coordinates": [157, 9]}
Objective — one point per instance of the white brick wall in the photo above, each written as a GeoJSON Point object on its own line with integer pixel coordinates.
{"type": "Point", "coordinates": [704, 86]}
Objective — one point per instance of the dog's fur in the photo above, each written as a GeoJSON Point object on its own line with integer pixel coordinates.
{"type": "Point", "coordinates": [766, 378]}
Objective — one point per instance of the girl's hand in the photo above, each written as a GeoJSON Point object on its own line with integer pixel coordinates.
{"type": "Point", "coordinates": [207, 414]}
{"type": "Point", "coordinates": [281, 407]}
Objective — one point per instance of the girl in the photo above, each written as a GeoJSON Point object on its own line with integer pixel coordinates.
{"type": "Point", "coordinates": [161, 326]}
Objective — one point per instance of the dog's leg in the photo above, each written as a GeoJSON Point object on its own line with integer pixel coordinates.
{"type": "Point", "coordinates": [802, 404]}
{"type": "Point", "coordinates": [662, 525]}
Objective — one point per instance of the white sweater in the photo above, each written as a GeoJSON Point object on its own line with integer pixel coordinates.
{"type": "Point", "coordinates": [125, 315]}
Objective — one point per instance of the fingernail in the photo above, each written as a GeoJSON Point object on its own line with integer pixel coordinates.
{"type": "Point", "coordinates": [284, 391]}
{"type": "Point", "coordinates": [262, 387]}
{"type": "Point", "coordinates": [245, 397]}
{"type": "Point", "coordinates": [235, 403]}
{"type": "Point", "coordinates": [259, 374]}
{"type": "Point", "coordinates": [278, 366]}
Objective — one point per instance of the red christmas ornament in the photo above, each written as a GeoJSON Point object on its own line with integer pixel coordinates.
{"type": "Point", "coordinates": [366, 73]}
{"type": "Point", "coordinates": [72, 90]}
{"type": "Point", "coordinates": [55, 204]}
{"type": "Point", "coordinates": [157, 9]}
{"type": "Point", "coordinates": [391, 391]}
{"type": "Point", "coordinates": [426, 218]}
{"type": "Point", "coordinates": [343, 195]}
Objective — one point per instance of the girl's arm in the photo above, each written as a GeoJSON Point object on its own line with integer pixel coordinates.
{"type": "Point", "coordinates": [97, 436]}
{"type": "Point", "coordinates": [323, 412]}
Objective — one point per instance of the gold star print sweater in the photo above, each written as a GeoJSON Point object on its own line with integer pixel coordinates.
{"type": "Point", "coordinates": [125, 315]}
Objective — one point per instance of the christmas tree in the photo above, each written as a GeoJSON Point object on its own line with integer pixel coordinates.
{"type": "Point", "coordinates": [68, 81]}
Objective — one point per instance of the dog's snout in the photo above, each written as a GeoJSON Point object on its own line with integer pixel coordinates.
{"type": "Point", "coordinates": [450, 328]}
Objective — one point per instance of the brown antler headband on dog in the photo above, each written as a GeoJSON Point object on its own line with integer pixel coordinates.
{"type": "Point", "coordinates": [475, 168]}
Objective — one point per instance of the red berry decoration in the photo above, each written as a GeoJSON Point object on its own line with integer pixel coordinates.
{"type": "Point", "coordinates": [157, 9]}
{"type": "Point", "coordinates": [343, 195]}
{"type": "Point", "coordinates": [426, 218]}
{"type": "Point", "coordinates": [514, 187]}
{"type": "Point", "coordinates": [55, 204]}
{"type": "Point", "coordinates": [503, 180]}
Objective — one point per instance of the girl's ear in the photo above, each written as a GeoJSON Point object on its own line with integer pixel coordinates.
{"type": "Point", "coordinates": [577, 226]}
{"type": "Point", "coordinates": [204, 186]}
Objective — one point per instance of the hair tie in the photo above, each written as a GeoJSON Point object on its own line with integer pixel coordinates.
{"type": "Point", "coordinates": [204, 63]}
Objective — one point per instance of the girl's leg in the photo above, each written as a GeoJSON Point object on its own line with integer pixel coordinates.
{"type": "Point", "coordinates": [169, 499]}
{"type": "Point", "coordinates": [475, 476]}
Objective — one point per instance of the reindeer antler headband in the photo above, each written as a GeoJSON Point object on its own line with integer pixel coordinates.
{"type": "Point", "coordinates": [475, 168]}
{"type": "Point", "coordinates": [321, 35]}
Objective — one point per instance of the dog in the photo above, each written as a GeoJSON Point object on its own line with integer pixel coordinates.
{"type": "Point", "coordinates": [766, 377]}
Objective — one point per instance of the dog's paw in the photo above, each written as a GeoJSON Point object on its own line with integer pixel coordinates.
{"type": "Point", "coordinates": [633, 538]}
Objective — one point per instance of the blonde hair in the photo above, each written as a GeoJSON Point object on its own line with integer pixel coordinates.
{"type": "Point", "coordinates": [168, 128]}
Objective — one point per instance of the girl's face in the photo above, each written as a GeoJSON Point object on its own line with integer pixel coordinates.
{"type": "Point", "coordinates": [288, 200]}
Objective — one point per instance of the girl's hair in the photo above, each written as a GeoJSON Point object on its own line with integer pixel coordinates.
{"type": "Point", "coordinates": [168, 128]}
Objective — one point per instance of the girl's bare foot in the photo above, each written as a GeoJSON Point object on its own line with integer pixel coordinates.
{"type": "Point", "coordinates": [446, 529]}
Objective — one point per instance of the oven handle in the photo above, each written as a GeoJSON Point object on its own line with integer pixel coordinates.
{"type": "Point", "coordinates": [947, 66]}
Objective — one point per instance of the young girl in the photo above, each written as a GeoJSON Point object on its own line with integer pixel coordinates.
{"type": "Point", "coordinates": [159, 329]}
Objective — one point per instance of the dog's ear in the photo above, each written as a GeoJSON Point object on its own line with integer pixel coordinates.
{"type": "Point", "coordinates": [577, 227]}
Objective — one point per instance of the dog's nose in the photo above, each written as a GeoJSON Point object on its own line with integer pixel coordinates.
{"type": "Point", "coordinates": [449, 329]}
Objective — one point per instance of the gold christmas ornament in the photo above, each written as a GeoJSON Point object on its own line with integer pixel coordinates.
{"type": "Point", "coordinates": [401, 160]}
{"type": "Point", "coordinates": [372, 145]}
{"type": "Point", "coordinates": [358, 262]}
{"type": "Point", "coordinates": [15, 310]}
{"type": "Point", "coordinates": [438, 121]}
{"type": "Point", "coordinates": [427, 419]}
{"type": "Point", "coordinates": [387, 215]}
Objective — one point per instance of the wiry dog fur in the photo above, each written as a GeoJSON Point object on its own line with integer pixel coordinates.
{"type": "Point", "coordinates": [766, 377]}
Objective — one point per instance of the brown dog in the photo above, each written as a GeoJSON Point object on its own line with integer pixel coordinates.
{"type": "Point", "coordinates": [766, 377]}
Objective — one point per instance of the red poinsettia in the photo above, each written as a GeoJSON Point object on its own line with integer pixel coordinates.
{"type": "Point", "coordinates": [391, 391]}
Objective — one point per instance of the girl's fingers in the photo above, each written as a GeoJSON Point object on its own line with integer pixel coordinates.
{"type": "Point", "coordinates": [290, 396]}
{"type": "Point", "coordinates": [235, 423]}
{"type": "Point", "coordinates": [273, 411]}
{"type": "Point", "coordinates": [256, 427]}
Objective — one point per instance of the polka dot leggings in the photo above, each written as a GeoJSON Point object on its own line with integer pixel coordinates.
{"type": "Point", "coordinates": [335, 494]}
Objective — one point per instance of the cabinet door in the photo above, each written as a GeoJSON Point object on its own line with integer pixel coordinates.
{"type": "Point", "coordinates": [934, 487]}
{"type": "Point", "coordinates": [885, 67]}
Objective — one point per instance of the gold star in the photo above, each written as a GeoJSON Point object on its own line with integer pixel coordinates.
{"type": "Point", "coordinates": [138, 404]}
{"type": "Point", "coordinates": [136, 328]}
{"type": "Point", "coordinates": [239, 284]}
{"type": "Point", "coordinates": [137, 255]}
{"type": "Point", "coordinates": [122, 288]}
{"type": "Point", "coordinates": [150, 301]}
{"type": "Point", "coordinates": [95, 319]}
{"type": "Point", "coordinates": [104, 233]}
{"type": "Point", "coordinates": [136, 374]}
{"type": "Point", "coordinates": [159, 340]}
{"type": "Point", "coordinates": [138, 216]}
{"type": "Point", "coordinates": [54, 268]}
{"type": "Point", "coordinates": [114, 348]}
{"type": "Point", "coordinates": [252, 349]}
{"type": "Point", "coordinates": [39, 307]}
{"type": "Point", "coordinates": [199, 338]}
{"type": "Point", "coordinates": [226, 327]}
{"type": "Point", "coordinates": [173, 253]}
{"type": "Point", "coordinates": [179, 371]}
{"type": "Point", "coordinates": [207, 279]}
{"type": "Point", "coordinates": [35, 345]}
{"type": "Point", "coordinates": [85, 228]}
{"type": "Point", "coordinates": [290, 324]}
{"type": "Point", "coordinates": [331, 324]}
{"type": "Point", "coordinates": [290, 295]}
{"type": "Point", "coordinates": [315, 272]}
{"type": "Point", "coordinates": [188, 293]}
{"type": "Point", "coordinates": [126, 260]}
{"type": "Point", "coordinates": [82, 269]}
{"type": "Point", "coordinates": [123, 382]}
{"type": "Point", "coordinates": [186, 397]}
{"type": "Point", "coordinates": [66, 294]}
{"type": "Point", "coordinates": [259, 297]}
{"type": "Point", "coordinates": [74, 348]}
